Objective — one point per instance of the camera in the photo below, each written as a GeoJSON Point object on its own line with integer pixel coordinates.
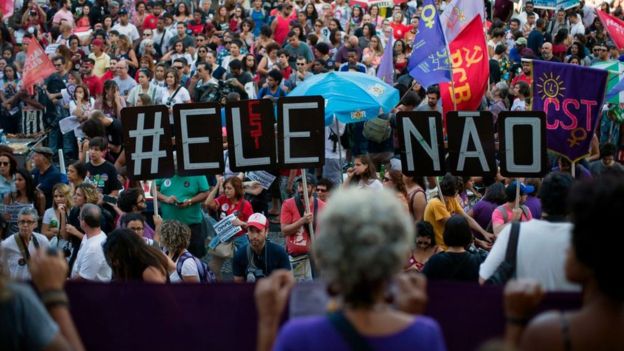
{"type": "Point", "coordinates": [254, 274]}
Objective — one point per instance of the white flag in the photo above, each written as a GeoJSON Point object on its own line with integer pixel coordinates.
{"type": "Point", "coordinates": [457, 14]}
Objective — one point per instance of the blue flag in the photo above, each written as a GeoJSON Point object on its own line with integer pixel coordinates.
{"type": "Point", "coordinates": [615, 91]}
{"type": "Point", "coordinates": [429, 63]}
{"type": "Point", "coordinates": [385, 71]}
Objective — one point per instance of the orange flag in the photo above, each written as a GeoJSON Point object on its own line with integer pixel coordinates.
{"type": "Point", "coordinates": [471, 69]}
{"type": "Point", "coordinates": [37, 66]}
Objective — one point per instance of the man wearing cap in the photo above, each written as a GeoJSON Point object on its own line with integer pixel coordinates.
{"type": "Point", "coordinates": [296, 221]}
{"type": "Point", "coordinates": [507, 212]}
{"type": "Point", "coordinates": [46, 175]}
{"type": "Point", "coordinates": [101, 59]}
{"type": "Point", "coordinates": [542, 243]}
{"type": "Point", "coordinates": [260, 257]}
{"type": "Point", "coordinates": [126, 28]}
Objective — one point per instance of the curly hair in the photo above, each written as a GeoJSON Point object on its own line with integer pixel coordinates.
{"type": "Point", "coordinates": [175, 235]}
{"type": "Point", "coordinates": [90, 192]}
{"type": "Point", "coordinates": [360, 248]}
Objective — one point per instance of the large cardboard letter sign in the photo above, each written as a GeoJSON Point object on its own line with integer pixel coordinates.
{"type": "Point", "coordinates": [522, 137]}
{"type": "Point", "coordinates": [471, 143]}
{"type": "Point", "coordinates": [301, 133]}
{"type": "Point", "coordinates": [421, 143]}
{"type": "Point", "coordinates": [199, 145]}
{"type": "Point", "coordinates": [147, 142]}
{"type": "Point", "coordinates": [251, 135]}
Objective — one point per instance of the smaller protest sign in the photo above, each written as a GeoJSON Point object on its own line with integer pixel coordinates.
{"type": "Point", "coordinates": [522, 148]}
{"type": "Point", "coordinates": [224, 228]}
{"type": "Point", "coordinates": [301, 132]}
{"type": "Point", "coordinates": [264, 178]}
{"type": "Point", "coordinates": [147, 142]}
{"type": "Point", "coordinates": [471, 143]}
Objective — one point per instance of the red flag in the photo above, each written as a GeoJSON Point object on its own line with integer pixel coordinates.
{"type": "Point", "coordinates": [615, 27]}
{"type": "Point", "coordinates": [471, 69]}
{"type": "Point", "coordinates": [37, 66]}
{"type": "Point", "coordinates": [7, 7]}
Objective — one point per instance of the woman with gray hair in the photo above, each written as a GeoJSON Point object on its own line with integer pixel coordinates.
{"type": "Point", "coordinates": [360, 251]}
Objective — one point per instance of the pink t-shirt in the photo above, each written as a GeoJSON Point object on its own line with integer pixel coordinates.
{"type": "Point", "coordinates": [63, 15]}
{"type": "Point", "coordinates": [498, 219]}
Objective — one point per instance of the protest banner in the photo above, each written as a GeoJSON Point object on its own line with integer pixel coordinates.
{"type": "Point", "coordinates": [301, 132]}
{"type": "Point", "coordinates": [7, 7]}
{"type": "Point", "coordinates": [224, 231]}
{"type": "Point", "coordinates": [421, 143]}
{"type": "Point", "coordinates": [522, 148]}
{"type": "Point", "coordinates": [471, 143]}
{"type": "Point", "coordinates": [36, 67]}
{"type": "Point", "coordinates": [555, 4]}
{"type": "Point", "coordinates": [458, 14]}
{"type": "Point", "coordinates": [614, 26]}
{"type": "Point", "coordinates": [471, 70]}
{"type": "Point", "coordinates": [147, 142]}
{"type": "Point", "coordinates": [572, 109]}
{"type": "Point", "coordinates": [251, 135]}
{"type": "Point", "coordinates": [429, 63]}
{"type": "Point", "coordinates": [199, 145]}
{"type": "Point", "coordinates": [265, 179]}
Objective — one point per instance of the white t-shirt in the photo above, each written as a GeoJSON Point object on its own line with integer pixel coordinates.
{"type": "Point", "coordinates": [129, 30]}
{"type": "Point", "coordinates": [11, 255]}
{"type": "Point", "coordinates": [189, 268]}
{"type": "Point", "coordinates": [49, 218]}
{"type": "Point", "coordinates": [90, 263]}
{"type": "Point", "coordinates": [518, 105]}
{"type": "Point", "coordinates": [182, 96]}
{"type": "Point", "coordinates": [373, 184]}
{"type": "Point", "coordinates": [541, 254]}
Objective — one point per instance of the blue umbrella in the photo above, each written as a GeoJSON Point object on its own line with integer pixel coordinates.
{"type": "Point", "coordinates": [350, 96]}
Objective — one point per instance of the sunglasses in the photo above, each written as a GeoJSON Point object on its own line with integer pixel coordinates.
{"type": "Point", "coordinates": [5, 163]}
{"type": "Point", "coordinates": [300, 64]}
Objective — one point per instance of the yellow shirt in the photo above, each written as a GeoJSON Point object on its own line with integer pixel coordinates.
{"type": "Point", "coordinates": [101, 64]}
{"type": "Point", "coordinates": [437, 214]}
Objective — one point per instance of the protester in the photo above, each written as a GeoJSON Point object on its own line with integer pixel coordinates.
{"type": "Point", "coordinates": [588, 263]}
{"type": "Point", "coordinates": [130, 258]}
{"type": "Point", "coordinates": [425, 247]}
{"type": "Point", "coordinates": [46, 174]}
{"type": "Point", "coordinates": [509, 212]}
{"type": "Point", "coordinates": [25, 195]}
{"type": "Point", "coordinates": [90, 262]}
{"type": "Point", "coordinates": [363, 174]}
{"type": "Point", "coordinates": [56, 216]}
{"type": "Point", "coordinates": [350, 242]}
{"type": "Point", "coordinates": [260, 257]}
{"type": "Point", "coordinates": [17, 249]}
{"type": "Point", "coordinates": [176, 237]}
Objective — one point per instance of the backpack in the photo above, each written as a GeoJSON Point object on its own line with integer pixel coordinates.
{"type": "Point", "coordinates": [503, 212]}
{"type": "Point", "coordinates": [377, 130]}
{"type": "Point", "coordinates": [205, 274]}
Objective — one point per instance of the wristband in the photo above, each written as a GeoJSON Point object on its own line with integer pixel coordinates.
{"type": "Point", "coordinates": [53, 298]}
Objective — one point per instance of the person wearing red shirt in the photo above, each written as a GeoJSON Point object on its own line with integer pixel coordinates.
{"type": "Point", "coordinates": [296, 221]}
{"type": "Point", "coordinates": [398, 28]}
{"type": "Point", "coordinates": [232, 201]}
{"type": "Point", "coordinates": [95, 85]}
{"type": "Point", "coordinates": [524, 76]}
{"type": "Point", "coordinates": [150, 21]}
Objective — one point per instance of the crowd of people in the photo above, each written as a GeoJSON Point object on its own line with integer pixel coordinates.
{"type": "Point", "coordinates": [364, 226]}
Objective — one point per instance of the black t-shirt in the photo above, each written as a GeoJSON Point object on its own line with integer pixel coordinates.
{"type": "Point", "coordinates": [104, 177]}
{"type": "Point", "coordinates": [453, 266]}
{"type": "Point", "coordinates": [114, 135]}
{"type": "Point", "coordinates": [273, 257]}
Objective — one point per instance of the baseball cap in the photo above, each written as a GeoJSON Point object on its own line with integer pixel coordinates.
{"type": "Point", "coordinates": [521, 41]}
{"type": "Point", "coordinates": [44, 151]}
{"type": "Point", "coordinates": [309, 178]}
{"type": "Point", "coordinates": [258, 221]}
{"type": "Point", "coordinates": [524, 189]}
{"type": "Point", "coordinates": [113, 4]}
{"type": "Point", "coordinates": [123, 12]}
{"type": "Point", "coordinates": [97, 42]}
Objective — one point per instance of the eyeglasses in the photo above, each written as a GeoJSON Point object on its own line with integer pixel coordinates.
{"type": "Point", "coordinates": [300, 64]}
{"type": "Point", "coordinates": [26, 222]}
{"type": "Point", "coordinates": [5, 163]}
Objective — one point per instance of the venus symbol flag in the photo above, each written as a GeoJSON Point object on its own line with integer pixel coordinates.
{"type": "Point", "coordinates": [37, 66]}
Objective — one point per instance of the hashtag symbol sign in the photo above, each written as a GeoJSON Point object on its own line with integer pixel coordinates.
{"type": "Point", "coordinates": [139, 134]}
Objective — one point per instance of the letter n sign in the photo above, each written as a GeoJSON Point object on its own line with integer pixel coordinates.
{"type": "Point", "coordinates": [147, 142]}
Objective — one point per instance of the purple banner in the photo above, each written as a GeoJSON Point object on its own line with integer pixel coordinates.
{"type": "Point", "coordinates": [138, 316]}
{"type": "Point", "coordinates": [572, 97]}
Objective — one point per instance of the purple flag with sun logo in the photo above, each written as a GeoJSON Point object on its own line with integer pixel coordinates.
{"type": "Point", "coordinates": [572, 98]}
